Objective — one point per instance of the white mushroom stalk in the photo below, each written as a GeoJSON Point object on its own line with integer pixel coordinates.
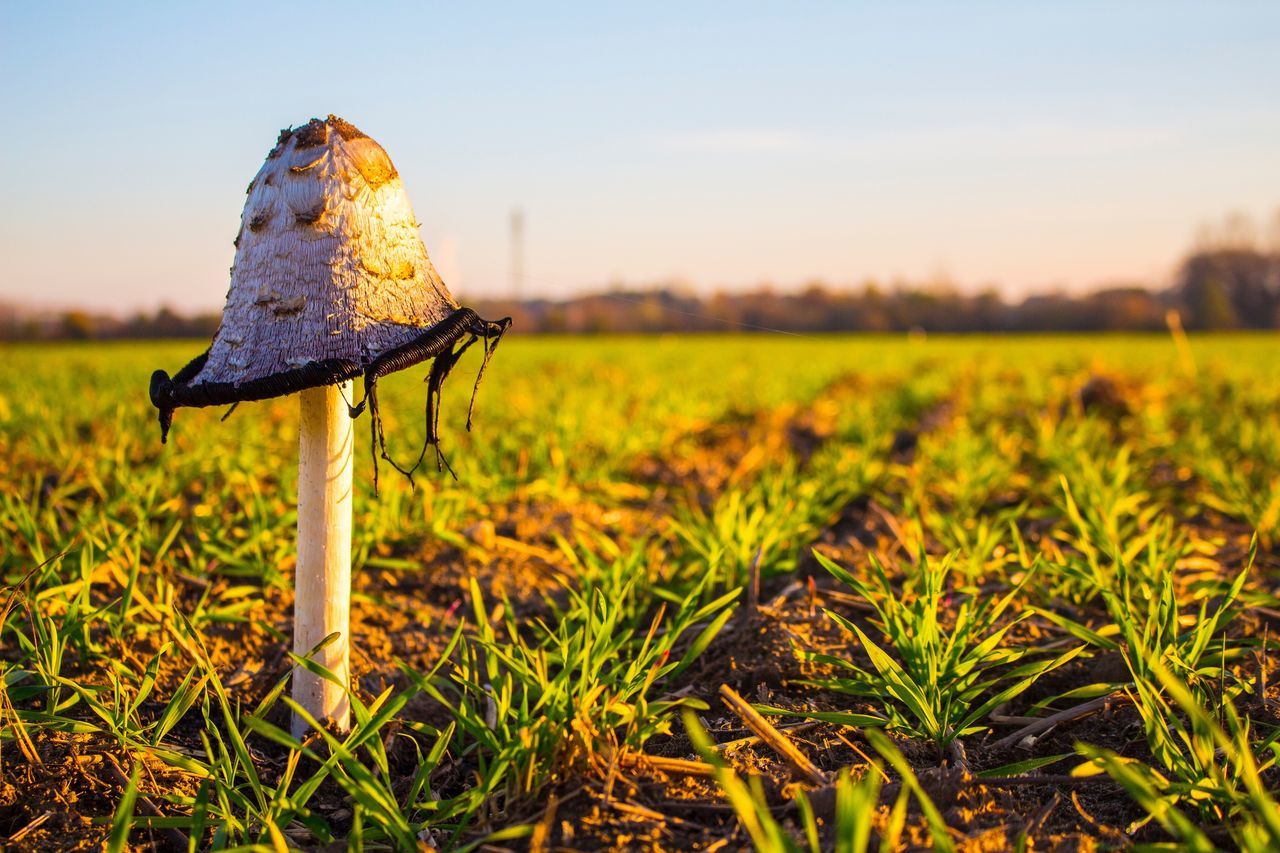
{"type": "Point", "coordinates": [331, 282]}
{"type": "Point", "coordinates": [322, 581]}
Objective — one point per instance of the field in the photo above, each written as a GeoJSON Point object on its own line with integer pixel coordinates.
{"type": "Point", "coordinates": [685, 593]}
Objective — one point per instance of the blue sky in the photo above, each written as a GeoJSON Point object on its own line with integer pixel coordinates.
{"type": "Point", "coordinates": [1023, 144]}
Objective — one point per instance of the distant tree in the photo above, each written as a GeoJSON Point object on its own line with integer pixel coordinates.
{"type": "Point", "coordinates": [1273, 234]}
{"type": "Point", "coordinates": [555, 321]}
{"type": "Point", "coordinates": [1132, 308]}
{"type": "Point", "coordinates": [1209, 305]}
{"type": "Point", "coordinates": [989, 311]}
{"type": "Point", "coordinates": [205, 325]}
{"type": "Point", "coordinates": [169, 323]}
{"type": "Point", "coordinates": [1230, 288]}
{"type": "Point", "coordinates": [77, 325]}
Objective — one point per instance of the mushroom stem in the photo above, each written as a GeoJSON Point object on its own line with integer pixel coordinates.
{"type": "Point", "coordinates": [322, 600]}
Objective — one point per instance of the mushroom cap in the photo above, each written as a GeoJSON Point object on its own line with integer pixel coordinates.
{"type": "Point", "coordinates": [331, 281]}
{"type": "Point", "coordinates": [329, 263]}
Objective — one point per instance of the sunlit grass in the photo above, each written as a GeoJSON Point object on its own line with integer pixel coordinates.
{"type": "Point", "coordinates": [1033, 537]}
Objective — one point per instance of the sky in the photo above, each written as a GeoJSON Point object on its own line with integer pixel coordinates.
{"type": "Point", "coordinates": [1023, 145]}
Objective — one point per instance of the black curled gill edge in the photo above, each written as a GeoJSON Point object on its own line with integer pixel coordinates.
{"type": "Point", "coordinates": [170, 394]}
{"type": "Point", "coordinates": [440, 342]}
{"type": "Point", "coordinates": [445, 346]}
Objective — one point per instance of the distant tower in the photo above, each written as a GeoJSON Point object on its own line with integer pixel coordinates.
{"type": "Point", "coordinates": [517, 252]}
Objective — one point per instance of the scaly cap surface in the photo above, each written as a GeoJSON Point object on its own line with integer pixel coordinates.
{"type": "Point", "coordinates": [329, 263]}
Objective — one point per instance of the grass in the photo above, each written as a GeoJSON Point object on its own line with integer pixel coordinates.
{"type": "Point", "coordinates": [942, 680]}
{"type": "Point", "coordinates": [905, 552]}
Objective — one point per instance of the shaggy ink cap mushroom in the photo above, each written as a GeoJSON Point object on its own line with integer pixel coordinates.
{"type": "Point", "coordinates": [331, 282]}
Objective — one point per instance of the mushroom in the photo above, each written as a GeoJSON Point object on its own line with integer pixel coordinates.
{"type": "Point", "coordinates": [331, 282]}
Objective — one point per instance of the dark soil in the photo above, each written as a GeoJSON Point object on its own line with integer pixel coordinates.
{"type": "Point", "coordinates": [63, 798]}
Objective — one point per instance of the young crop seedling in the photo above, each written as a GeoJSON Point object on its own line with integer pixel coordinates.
{"type": "Point", "coordinates": [331, 282]}
{"type": "Point", "coordinates": [572, 694]}
{"type": "Point", "coordinates": [1208, 763]}
{"type": "Point", "coordinates": [942, 681]}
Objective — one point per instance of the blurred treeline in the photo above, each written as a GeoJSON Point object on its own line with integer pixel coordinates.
{"type": "Point", "coordinates": [1220, 287]}
{"type": "Point", "coordinates": [20, 323]}
{"type": "Point", "coordinates": [1216, 289]}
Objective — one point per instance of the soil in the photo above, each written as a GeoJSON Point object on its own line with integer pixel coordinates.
{"type": "Point", "coordinates": [63, 798]}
